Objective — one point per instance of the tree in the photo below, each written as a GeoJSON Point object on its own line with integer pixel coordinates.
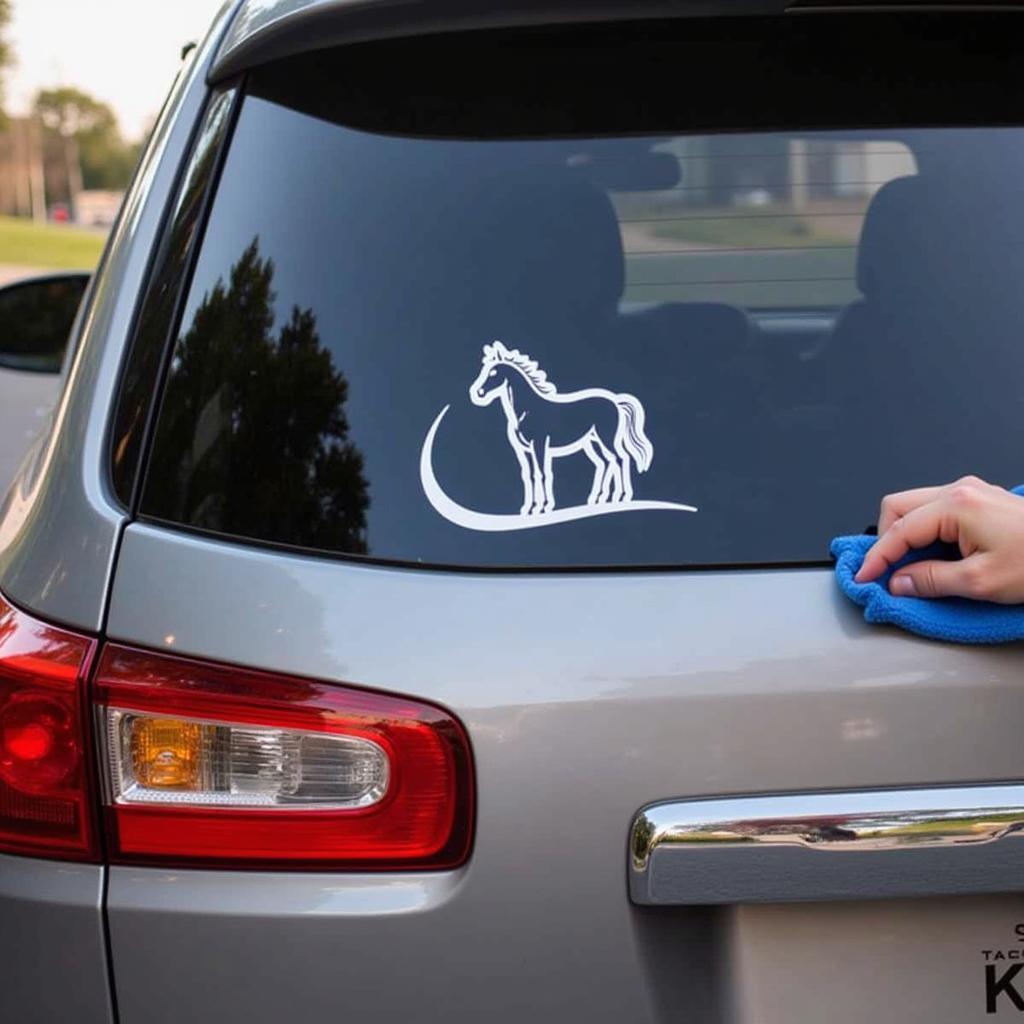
{"type": "Point", "coordinates": [95, 155]}
{"type": "Point", "coordinates": [70, 111]}
{"type": "Point", "coordinates": [6, 52]}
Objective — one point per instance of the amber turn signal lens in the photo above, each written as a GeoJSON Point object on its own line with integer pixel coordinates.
{"type": "Point", "coordinates": [166, 753]}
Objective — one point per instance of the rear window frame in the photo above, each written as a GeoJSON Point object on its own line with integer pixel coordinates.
{"type": "Point", "coordinates": [239, 87]}
{"type": "Point", "coordinates": [142, 373]}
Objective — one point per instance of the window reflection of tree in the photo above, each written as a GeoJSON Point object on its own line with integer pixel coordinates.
{"type": "Point", "coordinates": [253, 439]}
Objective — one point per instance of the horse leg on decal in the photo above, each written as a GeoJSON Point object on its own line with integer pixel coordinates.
{"type": "Point", "coordinates": [611, 484]}
{"type": "Point", "coordinates": [538, 479]}
{"type": "Point", "coordinates": [625, 469]}
{"type": "Point", "coordinates": [526, 472]}
{"type": "Point", "coordinates": [615, 474]}
{"type": "Point", "coordinates": [548, 477]}
{"type": "Point", "coordinates": [599, 467]}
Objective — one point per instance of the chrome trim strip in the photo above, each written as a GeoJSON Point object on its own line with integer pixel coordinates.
{"type": "Point", "coordinates": [766, 848]}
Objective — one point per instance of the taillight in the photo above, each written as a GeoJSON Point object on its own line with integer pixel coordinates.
{"type": "Point", "coordinates": [205, 764]}
{"type": "Point", "coordinates": [44, 764]}
{"type": "Point", "coordinates": [209, 765]}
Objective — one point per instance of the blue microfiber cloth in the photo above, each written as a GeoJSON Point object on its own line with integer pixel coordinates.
{"type": "Point", "coordinates": [948, 618]}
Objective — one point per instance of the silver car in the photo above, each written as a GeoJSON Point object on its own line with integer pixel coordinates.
{"type": "Point", "coordinates": [419, 607]}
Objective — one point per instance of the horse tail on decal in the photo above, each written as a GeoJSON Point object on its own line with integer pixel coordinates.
{"type": "Point", "coordinates": [631, 431]}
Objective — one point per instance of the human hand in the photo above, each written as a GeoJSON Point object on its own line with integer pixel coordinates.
{"type": "Point", "coordinates": [985, 521]}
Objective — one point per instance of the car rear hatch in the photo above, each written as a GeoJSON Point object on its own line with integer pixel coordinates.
{"type": "Point", "coordinates": [526, 375]}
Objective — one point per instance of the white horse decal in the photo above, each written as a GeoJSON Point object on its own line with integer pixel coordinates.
{"type": "Point", "coordinates": [543, 425]}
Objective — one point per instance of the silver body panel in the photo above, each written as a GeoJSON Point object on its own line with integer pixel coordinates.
{"type": "Point", "coordinates": [586, 698]}
{"type": "Point", "coordinates": [52, 943]}
{"type": "Point", "coordinates": [319, 941]}
{"type": "Point", "coordinates": [699, 684]}
{"type": "Point", "coordinates": [26, 400]}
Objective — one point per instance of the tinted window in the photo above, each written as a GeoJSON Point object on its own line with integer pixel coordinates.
{"type": "Point", "coordinates": [673, 347]}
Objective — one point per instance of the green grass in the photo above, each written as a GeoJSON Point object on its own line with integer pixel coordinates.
{"type": "Point", "coordinates": [763, 231]}
{"type": "Point", "coordinates": [48, 245]}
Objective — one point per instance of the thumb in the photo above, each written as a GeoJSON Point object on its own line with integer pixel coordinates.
{"type": "Point", "coordinates": [934, 579]}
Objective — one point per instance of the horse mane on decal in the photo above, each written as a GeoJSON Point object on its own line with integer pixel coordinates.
{"type": "Point", "coordinates": [497, 353]}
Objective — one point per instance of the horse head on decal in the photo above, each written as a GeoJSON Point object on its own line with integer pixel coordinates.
{"type": "Point", "coordinates": [498, 371]}
{"type": "Point", "coordinates": [543, 424]}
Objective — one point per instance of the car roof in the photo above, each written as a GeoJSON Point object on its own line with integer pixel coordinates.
{"type": "Point", "coordinates": [264, 30]}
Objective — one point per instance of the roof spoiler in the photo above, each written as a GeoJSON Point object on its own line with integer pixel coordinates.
{"type": "Point", "coordinates": [265, 30]}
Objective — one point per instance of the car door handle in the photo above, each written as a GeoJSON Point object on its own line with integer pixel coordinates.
{"type": "Point", "coordinates": [870, 844]}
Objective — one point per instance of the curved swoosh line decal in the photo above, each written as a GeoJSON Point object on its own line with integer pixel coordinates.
{"type": "Point", "coordinates": [470, 520]}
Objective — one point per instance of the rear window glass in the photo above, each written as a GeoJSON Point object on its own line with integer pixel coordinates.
{"type": "Point", "coordinates": [757, 221]}
{"type": "Point", "coordinates": [614, 349]}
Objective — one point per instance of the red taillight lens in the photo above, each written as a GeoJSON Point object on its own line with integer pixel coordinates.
{"type": "Point", "coordinates": [44, 777]}
{"type": "Point", "coordinates": [209, 765]}
{"type": "Point", "coordinates": [222, 766]}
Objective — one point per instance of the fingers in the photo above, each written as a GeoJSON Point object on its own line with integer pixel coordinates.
{"type": "Point", "coordinates": [938, 579]}
{"type": "Point", "coordinates": [917, 529]}
{"type": "Point", "coordinates": [896, 506]}
{"type": "Point", "coordinates": [985, 521]}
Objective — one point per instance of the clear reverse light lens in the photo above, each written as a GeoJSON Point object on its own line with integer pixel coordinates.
{"type": "Point", "coordinates": [164, 760]}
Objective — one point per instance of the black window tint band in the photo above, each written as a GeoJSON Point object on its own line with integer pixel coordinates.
{"type": "Point", "coordinates": [157, 316]}
{"type": "Point", "coordinates": [409, 342]}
